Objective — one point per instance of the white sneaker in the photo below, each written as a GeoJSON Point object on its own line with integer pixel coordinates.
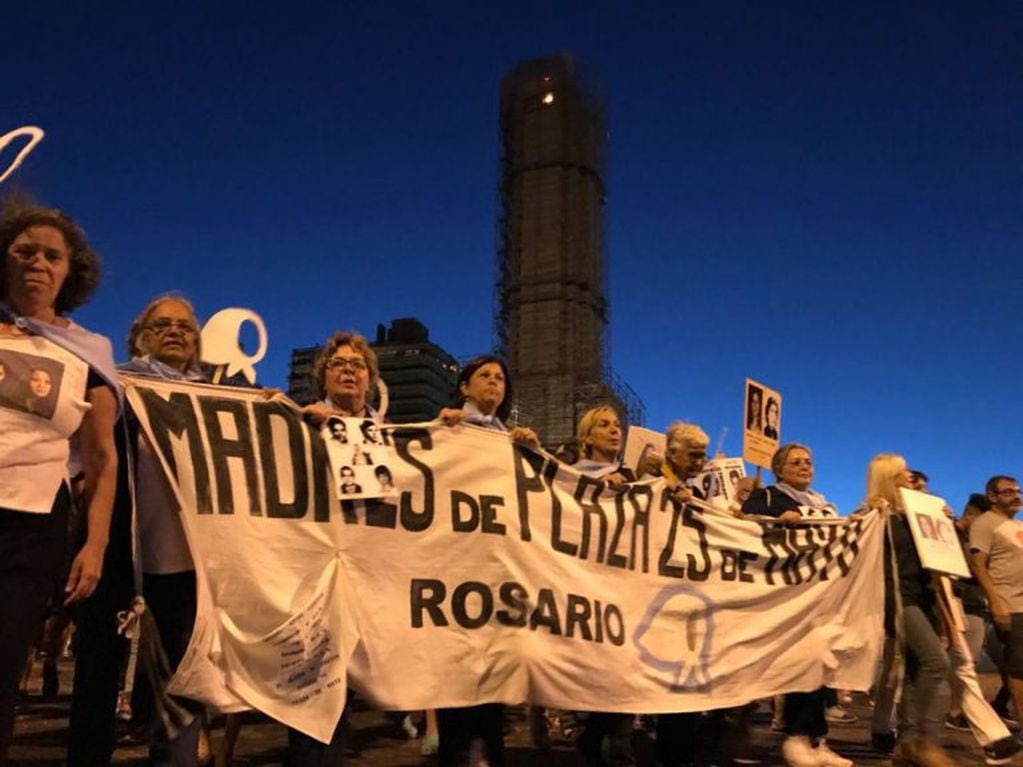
{"type": "Point", "coordinates": [798, 752]}
{"type": "Point", "coordinates": [828, 758]}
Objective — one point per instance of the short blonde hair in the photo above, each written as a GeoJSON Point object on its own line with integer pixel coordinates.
{"type": "Point", "coordinates": [586, 424]}
{"type": "Point", "coordinates": [138, 325]}
{"type": "Point", "coordinates": [882, 475]}
{"type": "Point", "coordinates": [681, 433]}
{"type": "Point", "coordinates": [358, 342]}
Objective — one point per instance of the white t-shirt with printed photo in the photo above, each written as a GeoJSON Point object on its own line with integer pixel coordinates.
{"type": "Point", "coordinates": [42, 403]}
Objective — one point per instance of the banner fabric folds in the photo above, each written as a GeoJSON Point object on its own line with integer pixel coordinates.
{"type": "Point", "coordinates": [486, 572]}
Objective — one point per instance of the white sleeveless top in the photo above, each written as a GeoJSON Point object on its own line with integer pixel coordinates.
{"type": "Point", "coordinates": [42, 402]}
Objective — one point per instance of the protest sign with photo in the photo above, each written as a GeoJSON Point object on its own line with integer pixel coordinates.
{"type": "Point", "coordinates": [761, 423]}
{"type": "Point", "coordinates": [934, 533]}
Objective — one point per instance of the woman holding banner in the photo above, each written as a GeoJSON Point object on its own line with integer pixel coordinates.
{"type": "Point", "coordinates": [163, 343]}
{"type": "Point", "coordinates": [791, 499]}
{"type": "Point", "coordinates": [49, 270]}
{"type": "Point", "coordinates": [599, 439]}
{"type": "Point", "coordinates": [347, 373]}
{"type": "Point", "coordinates": [482, 397]}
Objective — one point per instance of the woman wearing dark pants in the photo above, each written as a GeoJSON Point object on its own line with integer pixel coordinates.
{"type": "Point", "coordinates": [599, 442]}
{"type": "Point", "coordinates": [31, 555]}
{"type": "Point", "coordinates": [789, 500]}
{"type": "Point", "coordinates": [482, 397]}
{"type": "Point", "coordinates": [49, 270]}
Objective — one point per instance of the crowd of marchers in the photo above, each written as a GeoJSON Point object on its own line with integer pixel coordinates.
{"type": "Point", "coordinates": [77, 532]}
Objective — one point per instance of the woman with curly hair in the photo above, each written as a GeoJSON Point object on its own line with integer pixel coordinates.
{"type": "Point", "coordinates": [49, 270]}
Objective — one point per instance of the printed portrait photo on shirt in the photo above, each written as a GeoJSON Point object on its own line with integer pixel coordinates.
{"type": "Point", "coordinates": [29, 383]}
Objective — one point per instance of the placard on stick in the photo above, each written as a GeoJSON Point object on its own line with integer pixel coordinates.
{"type": "Point", "coordinates": [761, 418]}
{"type": "Point", "coordinates": [934, 533]}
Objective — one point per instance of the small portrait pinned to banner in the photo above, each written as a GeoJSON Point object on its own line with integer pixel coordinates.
{"type": "Point", "coordinates": [359, 454]}
{"type": "Point", "coordinates": [347, 484]}
{"type": "Point", "coordinates": [762, 420]}
{"type": "Point", "coordinates": [370, 432]}
{"type": "Point", "coordinates": [30, 383]}
{"type": "Point", "coordinates": [933, 533]}
{"type": "Point", "coordinates": [338, 430]}
{"type": "Point", "coordinates": [383, 476]}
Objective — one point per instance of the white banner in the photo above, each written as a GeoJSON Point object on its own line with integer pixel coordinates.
{"type": "Point", "coordinates": [494, 574]}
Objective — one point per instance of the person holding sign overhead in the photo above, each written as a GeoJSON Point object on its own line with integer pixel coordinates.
{"type": "Point", "coordinates": [791, 499]}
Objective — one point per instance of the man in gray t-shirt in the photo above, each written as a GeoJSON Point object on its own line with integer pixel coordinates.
{"type": "Point", "coordinates": [996, 549]}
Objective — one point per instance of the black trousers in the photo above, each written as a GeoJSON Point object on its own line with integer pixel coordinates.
{"type": "Point", "coordinates": [458, 727]}
{"type": "Point", "coordinates": [680, 738]}
{"type": "Point", "coordinates": [804, 713]}
{"type": "Point", "coordinates": [100, 654]}
{"type": "Point", "coordinates": [304, 751]}
{"type": "Point", "coordinates": [600, 725]}
{"type": "Point", "coordinates": [172, 600]}
{"type": "Point", "coordinates": [32, 552]}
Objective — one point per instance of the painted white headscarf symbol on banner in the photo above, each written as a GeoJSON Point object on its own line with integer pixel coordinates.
{"type": "Point", "coordinates": [220, 342]}
{"type": "Point", "coordinates": [35, 136]}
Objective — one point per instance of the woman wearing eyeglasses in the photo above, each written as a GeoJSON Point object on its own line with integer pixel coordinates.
{"type": "Point", "coordinates": [789, 500]}
{"type": "Point", "coordinates": [49, 270]}
{"type": "Point", "coordinates": [347, 373]}
{"type": "Point", "coordinates": [163, 342]}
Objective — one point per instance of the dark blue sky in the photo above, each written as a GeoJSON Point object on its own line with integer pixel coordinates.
{"type": "Point", "coordinates": [823, 196]}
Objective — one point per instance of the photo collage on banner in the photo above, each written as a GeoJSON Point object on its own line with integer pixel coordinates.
{"type": "Point", "coordinates": [358, 455]}
{"type": "Point", "coordinates": [761, 423]}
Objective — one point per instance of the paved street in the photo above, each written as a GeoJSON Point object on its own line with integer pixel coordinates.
{"type": "Point", "coordinates": [42, 727]}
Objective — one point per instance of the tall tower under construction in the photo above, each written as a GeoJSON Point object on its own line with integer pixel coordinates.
{"type": "Point", "coordinates": [552, 297]}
